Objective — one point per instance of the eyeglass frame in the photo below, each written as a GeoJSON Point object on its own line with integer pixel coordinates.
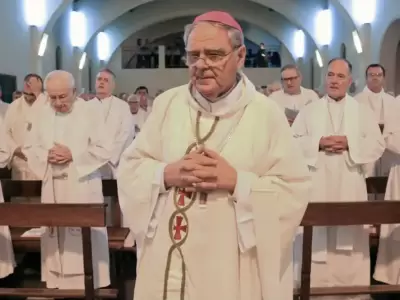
{"type": "Point", "coordinates": [206, 59]}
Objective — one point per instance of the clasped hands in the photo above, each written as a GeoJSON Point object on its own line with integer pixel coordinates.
{"type": "Point", "coordinates": [334, 144]}
{"type": "Point", "coordinates": [59, 155]}
{"type": "Point", "coordinates": [201, 171]}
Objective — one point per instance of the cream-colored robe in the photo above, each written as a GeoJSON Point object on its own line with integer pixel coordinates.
{"type": "Point", "coordinates": [383, 106]}
{"type": "Point", "coordinates": [142, 116]}
{"type": "Point", "coordinates": [84, 135]}
{"type": "Point", "coordinates": [118, 120]}
{"type": "Point", "coordinates": [387, 267]}
{"type": "Point", "coordinates": [19, 121]}
{"type": "Point", "coordinates": [340, 254]}
{"type": "Point", "coordinates": [3, 108]}
{"type": "Point", "coordinates": [294, 102]}
{"type": "Point", "coordinates": [7, 261]}
{"type": "Point", "coordinates": [234, 250]}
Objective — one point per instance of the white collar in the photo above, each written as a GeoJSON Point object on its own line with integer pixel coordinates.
{"type": "Point", "coordinates": [224, 104]}
{"type": "Point", "coordinates": [367, 90]}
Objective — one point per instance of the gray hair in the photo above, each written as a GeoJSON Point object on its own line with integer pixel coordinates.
{"type": "Point", "coordinates": [60, 75]}
{"type": "Point", "coordinates": [290, 67]}
{"type": "Point", "coordinates": [133, 98]}
{"type": "Point", "coordinates": [236, 36]}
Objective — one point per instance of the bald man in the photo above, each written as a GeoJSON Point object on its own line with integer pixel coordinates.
{"type": "Point", "coordinates": [66, 150]}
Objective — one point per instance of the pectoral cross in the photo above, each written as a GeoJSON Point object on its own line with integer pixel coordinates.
{"type": "Point", "coordinates": [178, 228]}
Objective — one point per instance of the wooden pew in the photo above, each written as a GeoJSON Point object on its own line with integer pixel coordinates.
{"type": "Point", "coordinates": [33, 188]}
{"type": "Point", "coordinates": [335, 214]}
{"type": "Point", "coordinates": [59, 215]}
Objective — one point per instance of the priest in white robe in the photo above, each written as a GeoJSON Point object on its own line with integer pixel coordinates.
{"type": "Point", "coordinates": [19, 121]}
{"type": "Point", "coordinates": [383, 106]}
{"type": "Point", "coordinates": [117, 117]}
{"type": "Point", "coordinates": [66, 150]}
{"type": "Point", "coordinates": [212, 204]}
{"type": "Point", "coordinates": [115, 113]}
{"type": "Point", "coordinates": [387, 267]}
{"type": "Point", "coordinates": [338, 136]}
{"type": "Point", "coordinates": [133, 101]}
{"type": "Point", "coordinates": [7, 260]}
{"type": "Point", "coordinates": [293, 97]}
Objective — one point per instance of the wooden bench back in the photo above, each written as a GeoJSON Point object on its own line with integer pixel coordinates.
{"type": "Point", "coordinates": [33, 188]}
{"type": "Point", "coordinates": [57, 215]}
{"type": "Point", "coordinates": [343, 214]}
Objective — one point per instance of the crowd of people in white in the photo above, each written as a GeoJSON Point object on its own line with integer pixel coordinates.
{"type": "Point", "coordinates": [71, 143]}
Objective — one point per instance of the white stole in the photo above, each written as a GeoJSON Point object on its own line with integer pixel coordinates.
{"type": "Point", "coordinates": [351, 129]}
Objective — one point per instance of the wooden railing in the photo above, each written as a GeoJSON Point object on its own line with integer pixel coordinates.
{"type": "Point", "coordinates": [343, 214]}
{"type": "Point", "coordinates": [59, 215]}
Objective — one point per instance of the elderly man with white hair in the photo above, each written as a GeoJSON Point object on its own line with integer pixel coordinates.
{"type": "Point", "coordinates": [213, 187]}
{"type": "Point", "coordinates": [66, 149]}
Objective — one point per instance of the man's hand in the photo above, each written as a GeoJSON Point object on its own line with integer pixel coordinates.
{"type": "Point", "coordinates": [181, 173]}
{"type": "Point", "coordinates": [18, 153]}
{"type": "Point", "coordinates": [225, 175]}
{"type": "Point", "coordinates": [59, 154]}
{"type": "Point", "coordinates": [334, 144]}
{"type": "Point", "coordinates": [203, 170]}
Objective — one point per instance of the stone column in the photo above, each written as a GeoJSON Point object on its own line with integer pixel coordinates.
{"type": "Point", "coordinates": [161, 57]}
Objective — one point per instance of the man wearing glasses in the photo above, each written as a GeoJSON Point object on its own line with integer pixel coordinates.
{"type": "Point", "coordinates": [384, 107]}
{"type": "Point", "coordinates": [19, 120]}
{"type": "Point", "coordinates": [293, 97]}
{"type": "Point", "coordinates": [213, 187]}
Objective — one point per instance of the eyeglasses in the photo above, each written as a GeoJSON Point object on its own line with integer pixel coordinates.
{"type": "Point", "coordinates": [375, 75]}
{"type": "Point", "coordinates": [287, 79]}
{"type": "Point", "coordinates": [210, 57]}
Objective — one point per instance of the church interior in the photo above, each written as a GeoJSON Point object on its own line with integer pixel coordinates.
{"type": "Point", "coordinates": [136, 50]}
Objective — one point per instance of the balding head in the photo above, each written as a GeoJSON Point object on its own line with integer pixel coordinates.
{"type": "Point", "coordinates": [59, 77]}
{"type": "Point", "coordinates": [338, 78]}
{"type": "Point", "coordinates": [60, 87]}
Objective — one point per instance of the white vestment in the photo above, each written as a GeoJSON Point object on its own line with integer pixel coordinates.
{"type": "Point", "coordinates": [3, 108]}
{"type": "Point", "coordinates": [382, 104]}
{"type": "Point", "coordinates": [76, 182]}
{"type": "Point", "coordinates": [294, 103]}
{"type": "Point", "coordinates": [19, 121]}
{"type": "Point", "coordinates": [117, 117]}
{"type": "Point", "coordinates": [238, 246]}
{"type": "Point", "coordinates": [340, 254]}
{"type": "Point", "coordinates": [387, 267]}
{"type": "Point", "coordinates": [7, 261]}
{"type": "Point", "coordinates": [118, 120]}
{"type": "Point", "coordinates": [142, 116]}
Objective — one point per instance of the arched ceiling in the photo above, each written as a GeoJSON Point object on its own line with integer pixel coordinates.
{"type": "Point", "coordinates": [159, 12]}
{"type": "Point", "coordinates": [158, 30]}
{"type": "Point", "coordinates": [102, 13]}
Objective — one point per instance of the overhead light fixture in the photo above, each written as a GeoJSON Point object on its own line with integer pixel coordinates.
{"type": "Point", "coordinates": [319, 59]}
{"type": "Point", "coordinates": [357, 42]}
{"type": "Point", "coordinates": [77, 29]}
{"type": "Point", "coordinates": [35, 13]}
{"type": "Point", "coordinates": [324, 27]}
{"type": "Point", "coordinates": [299, 43]}
{"type": "Point", "coordinates": [82, 61]}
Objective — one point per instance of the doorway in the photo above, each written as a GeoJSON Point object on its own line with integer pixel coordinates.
{"type": "Point", "coordinates": [8, 85]}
